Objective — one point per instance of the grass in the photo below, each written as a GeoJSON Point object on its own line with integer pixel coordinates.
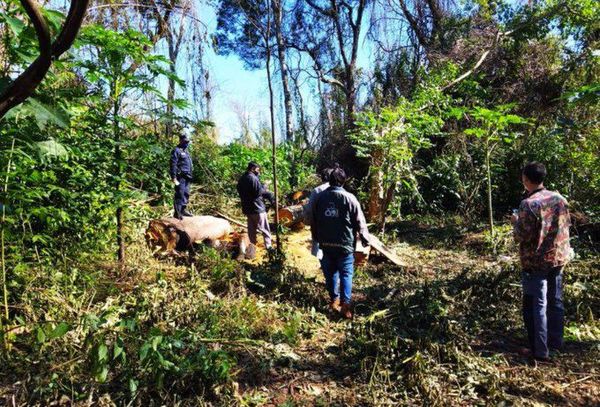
{"type": "Point", "coordinates": [211, 331]}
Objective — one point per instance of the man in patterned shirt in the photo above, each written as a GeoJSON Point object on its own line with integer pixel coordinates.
{"type": "Point", "coordinates": [542, 230]}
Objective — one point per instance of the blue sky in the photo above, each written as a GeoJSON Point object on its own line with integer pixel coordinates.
{"type": "Point", "coordinates": [235, 88]}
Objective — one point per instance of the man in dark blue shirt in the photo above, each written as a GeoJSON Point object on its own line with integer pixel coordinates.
{"type": "Point", "coordinates": [252, 194]}
{"type": "Point", "coordinates": [181, 175]}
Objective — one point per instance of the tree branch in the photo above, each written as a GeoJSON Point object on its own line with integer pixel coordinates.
{"type": "Point", "coordinates": [335, 16]}
{"type": "Point", "coordinates": [480, 61]}
{"type": "Point", "coordinates": [499, 36]}
{"type": "Point", "coordinates": [356, 29]}
{"type": "Point", "coordinates": [67, 36]}
{"type": "Point", "coordinates": [414, 25]}
{"type": "Point", "coordinates": [24, 85]}
{"type": "Point", "coordinates": [317, 66]}
{"type": "Point", "coordinates": [320, 9]}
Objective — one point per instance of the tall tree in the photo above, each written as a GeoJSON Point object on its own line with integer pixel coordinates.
{"type": "Point", "coordinates": [174, 30]}
{"type": "Point", "coordinates": [427, 19]}
{"type": "Point", "coordinates": [337, 68]}
{"type": "Point", "coordinates": [174, 36]}
{"type": "Point", "coordinates": [241, 26]}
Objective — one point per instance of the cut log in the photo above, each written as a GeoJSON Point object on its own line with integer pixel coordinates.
{"type": "Point", "coordinates": [201, 228]}
{"type": "Point", "coordinates": [161, 236]}
{"type": "Point", "coordinates": [239, 245]}
{"type": "Point", "coordinates": [292, 216]}
{"type": "Point", "coordinates": [173, 234]}
{"type": "Point", "coordinates": [380, 248]}
{"type": "Point", "coordinates": [297, 197]}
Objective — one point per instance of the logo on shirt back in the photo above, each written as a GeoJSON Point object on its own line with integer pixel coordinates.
{"type": "Point", "coordinates": [331, 211]}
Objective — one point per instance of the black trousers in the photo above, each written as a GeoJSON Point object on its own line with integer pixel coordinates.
{"type": "Point", "coordinates": [182, 195]}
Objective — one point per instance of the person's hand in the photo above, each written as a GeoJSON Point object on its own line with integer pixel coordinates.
{"type": "Point", "coordinates": [364, 240]}
{"type": "Point", "coordinates": [175, 181]}
{"type": "Point", "coordinates": [314, 249]}
{"type": "Point", "coordinates": [514, 218]}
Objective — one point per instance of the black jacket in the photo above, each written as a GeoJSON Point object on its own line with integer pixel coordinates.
{"type": "Point", "coordinates": [181, 163]}
{"type": "Point", "coordinates": [336, 221]}
{"type": "Point", "coordinates": [252, 193]}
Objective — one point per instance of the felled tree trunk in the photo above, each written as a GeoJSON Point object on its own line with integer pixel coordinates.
{"type": "Point", "coordinates": [380, 248]}
{"type": "Point", "coordinates": [171, 234]}
{"type": "Point", "coordinates": [292, 216]}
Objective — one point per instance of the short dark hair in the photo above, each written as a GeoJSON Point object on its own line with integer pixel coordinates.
{"type": "Point", "coordinates": [535, 172]}
{"type": "Point", "coordinates": [325, 173]}
{"type": "Point", "coordinates": [337, 178]}
{"type": "Point", "coordinates": [252, 165]}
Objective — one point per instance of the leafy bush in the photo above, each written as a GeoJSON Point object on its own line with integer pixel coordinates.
{"type": "Point", "coordinates": [218, 168]}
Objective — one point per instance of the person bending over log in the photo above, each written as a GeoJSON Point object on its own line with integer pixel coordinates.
{"type": "Point", "coordinates": [252, 194]}
{"type": "Point", "coordinates": [181, 175]}
{"type": "Point", "coordinates": [336, 222]}
{"type": "Point", "coordinates": [542, 229]}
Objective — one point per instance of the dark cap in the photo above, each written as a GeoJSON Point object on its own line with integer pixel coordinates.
{"type": "Point", "coordinates": [184, 137]}
{"type": "Point", "coordinates": [252, 165]}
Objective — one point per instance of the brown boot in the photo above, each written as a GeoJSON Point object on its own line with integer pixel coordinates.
{"type": "Point", "coordinates": [334, 305]}
{"type": "Point", "coordinates": [345, 311]}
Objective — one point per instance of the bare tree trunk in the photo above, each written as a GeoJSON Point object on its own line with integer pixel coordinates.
{"type": "Point", "coordinates": [119, 173]}
{"type": "Point", "coordinates": [273, 140]}
{"type": "Point", "coordinates": [350, 101]}
{"type": "Point", "coordinates": [489, 190]}
{"type": "Point", "coordinates": [376, 187]}
{"type": "Point", "coordinates": [328, 122]}
{"type": "Point", "coordinates": [3, 258]}
{"type": "Point", "coordinates": [287, 96]}
{"type": "Point", "coordinates": [385, 204]}
{"type": "Point", "coordinates": [341, 14]}
{"type": "Point", "coordinates": [120, 241]}
{"type": "Point", "coordinates": [207, 97]}
{"type": "Point", "coordinates": [171, 90]}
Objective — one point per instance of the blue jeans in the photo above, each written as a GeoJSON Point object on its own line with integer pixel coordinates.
{"type": "Point", "coordinates": [543, 311]}
{"type": "Point", "coordinates": [338, 269]}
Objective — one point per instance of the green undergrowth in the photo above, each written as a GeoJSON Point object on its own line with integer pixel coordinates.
{"type": "Point", "coordinates": [453, 339]}
{"type": "Point", "coordinates": [208, 330]}
{"type": "Point", "coordinates": [159, 332]}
